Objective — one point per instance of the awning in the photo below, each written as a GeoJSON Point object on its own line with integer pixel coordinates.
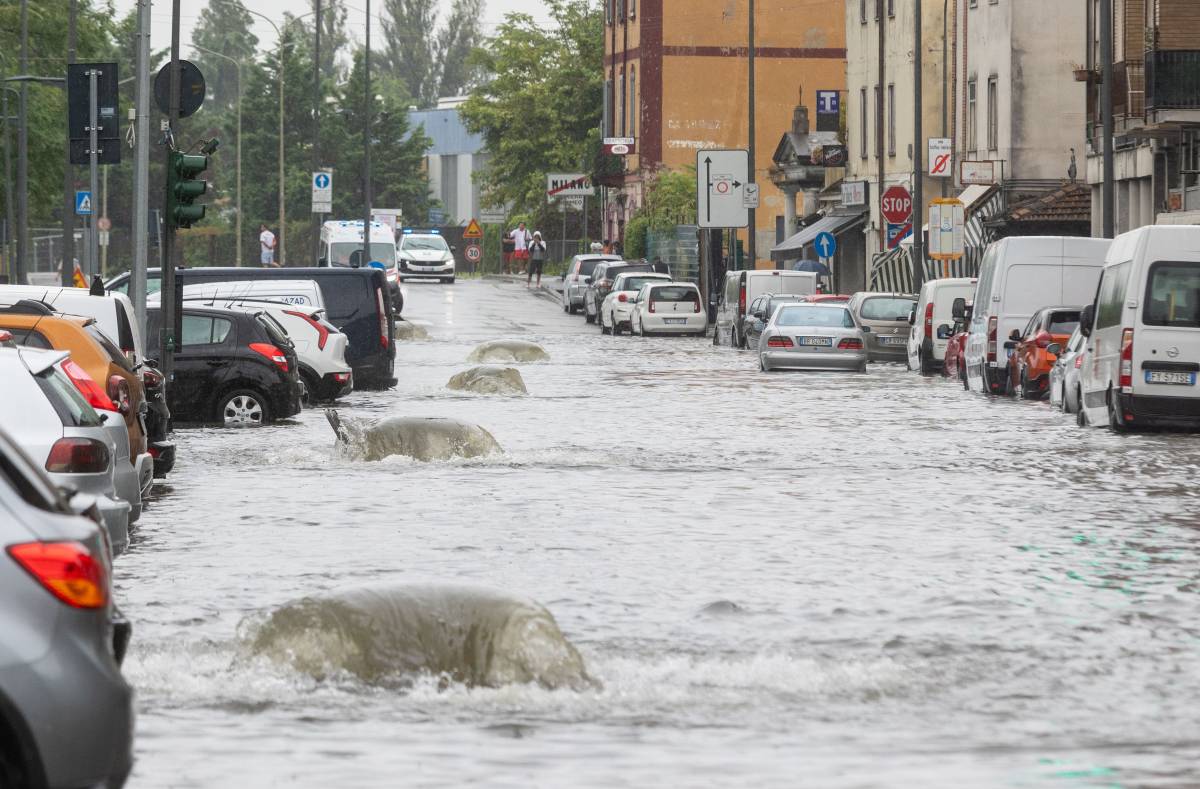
{"type": "Point", "coordinates": [793, 248]}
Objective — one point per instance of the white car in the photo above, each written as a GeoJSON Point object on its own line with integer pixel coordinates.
{"type": "Point", "coordinates": [931, 322]}
{"type": "Point", "coordinates": [669, 308]}
{"type": "Point", "coordinates": [1064, 375]}
{"type": "Point", "coordinates": [425, 255]}
{"type": "Point", "coordinates": [577, 278]}
{"type": "Point", "coordinates": [299, 292]}
{"type": "Point", "coordinates": [113, 312]}
{"type": "Point", "coordinates": [617, 307]}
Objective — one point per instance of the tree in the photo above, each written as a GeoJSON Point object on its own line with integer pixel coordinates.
{"type": "Point", "coordinates": [224, 27]}
{"type": "Point", "coordinates": [457, 39]}
{"type": "Point", "coordinates": [409, 37]}
{"type": "Point", "coordinates": [333, 36]}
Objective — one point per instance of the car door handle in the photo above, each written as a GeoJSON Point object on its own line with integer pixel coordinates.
{"type": "Point", "coordinates": [215, 363]}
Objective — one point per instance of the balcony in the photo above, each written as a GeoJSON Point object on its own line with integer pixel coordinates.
{"type": "Point", "coordinates": [1173, 81]}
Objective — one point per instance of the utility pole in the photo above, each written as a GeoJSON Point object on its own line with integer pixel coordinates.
{"type": "Point", "coordinates": [1106, 112]}
{"type": "Point", "coordinates": [10, 222]}
{"type": "Point", "coordinates": [67, 277]}
{"type": "Point", "coordinates": [367, 102]}
{"type": "Point", "coordinates": [752, 241]}
{"type": "Point", "coordinates": [141, 168]}
{"type": "Point", "coordinates": [918, 209]}
{"type": "Point", "coordinates": [316, 122]}
{"type": "Point", "coordinates": [22, 261]}
{"type": "Point", "coordinates": [93, 237]}
{"type": "Point", "coordinates": [282, 203]}
{"type": "Point", "coordinates": [946, 86]}
{"type": "Point", "coordinates": [171, 321]}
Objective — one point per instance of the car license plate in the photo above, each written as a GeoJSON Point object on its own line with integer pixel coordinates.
{"type": "Point", "coordinates": [1162, 377]}
{"type": "Point", "coordinates": [891, 340]}
{"type": "Point", "coordinates": [675, 321]}
{"type": "Point", "coordinates": [815, 341]}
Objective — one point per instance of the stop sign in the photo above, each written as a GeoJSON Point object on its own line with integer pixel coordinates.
{"type": "Point", "coordinates": [896, 205]}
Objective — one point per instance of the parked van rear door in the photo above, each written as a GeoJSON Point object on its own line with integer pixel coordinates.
{"type": "Point", "coordinates": [1166, 347]}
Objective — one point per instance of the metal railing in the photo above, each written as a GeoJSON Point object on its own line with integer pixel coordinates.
{"type": "Point", "coordinates": [1173, 79]}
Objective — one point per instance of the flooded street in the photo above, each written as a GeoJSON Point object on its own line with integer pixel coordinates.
{"type": "Point", "coordinates": [775, 579]}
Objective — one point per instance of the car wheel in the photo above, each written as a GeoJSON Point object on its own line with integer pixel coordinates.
{"type": "Point", "coordinates": [1114, 416]}
{"type": "Point", "coordinates": [616, 327]}
{"type": "Point", "coordinates": [308, 389]}
{"type": "Point", "coordinates": [243, 407]}
{"type": "Point", "coordinates": [603, 329]}
{"type": "Point", "coordinates": [862, 368]}
{"type": "Point", "coordinates": [448, 280]}
{"type": "Point", "coordinates": [962, 376]}
{"type": "Point", "coordinates": [1022, 391]}
{"type": "Point", "coordinates": [716, 337]}
{"type": "Point", "coordinates": [587, 316]}
{"type": "Point", "coordinates": [762, 364]}
{"type": "Point", "coordinates": [1081, 417]}
{"type": "Point", "coordinates": [925, 364]}
{"type": "Point", "coordinates": [567, 307]}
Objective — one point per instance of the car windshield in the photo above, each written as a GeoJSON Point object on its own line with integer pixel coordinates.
{"type": "Point", "coordinates": [887, 308]}
{"type": "Point", "coordinates": [1173, 295]}
{"type": "Point", "coordinates": [342, 252]}
{"type": "Point", "coordinates": [424, 243]}
{"type": "Point", "coordinates": [815, 316]}
{"type": "Point", "coordinates": [635, 283]}
{"type": "Point", "coordinates": [673, 293]}
{"type": "Point", "coordinates": [1063, 321]}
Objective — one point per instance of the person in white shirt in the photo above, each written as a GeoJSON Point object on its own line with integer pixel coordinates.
{"type": "Point", "coordinates": [521, 238]}
{"type": "Point", "coordinates": [266, 240]}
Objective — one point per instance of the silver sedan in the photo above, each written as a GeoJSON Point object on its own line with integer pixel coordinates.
{"type": "Point", "coordinates": [812, 337]}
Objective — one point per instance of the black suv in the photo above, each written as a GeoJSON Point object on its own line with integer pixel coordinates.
{"type": "Point", "coordinates": [237, 368]}
{"type": "Point", "coordinates": [602, 281]}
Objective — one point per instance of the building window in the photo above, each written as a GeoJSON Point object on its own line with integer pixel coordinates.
{"type": "Point", "coordinates": [878, 8]}
{"type": "Point", "coordinates": [973, 3]}
{"type": "Point", "coordinates": [862, 115]}
{"type": "Point", "coordinates": [879, 121]}
{"type": "Point", "coordinates": [635, 107]}
{"type": "Point", "coordinates": [862, 11]}
{"type": "Point", "coordinates": [891, 8]}
{"type": "Point", "coordinates": [607, 121]}
{"type": "Point", "coordinates": [620, 10]}
{"type": "Point", "coordinates": [972, 118]}
{"type": "Point", "coordinates": [993, 115]}
{"type": "Point", "coordinates": [624, 98]}
{"type": "Point", "coordinates": [891, 100]}
{"type": "Point", "coordinates": [632, 9]}
{"type": "Point", "coordinates": [608, 11]}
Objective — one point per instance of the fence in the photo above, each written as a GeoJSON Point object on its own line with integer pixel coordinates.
{"type": "Point", "coordinates": [679, 249]}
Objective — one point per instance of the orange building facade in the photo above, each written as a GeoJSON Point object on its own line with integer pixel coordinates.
{"type": "Point", "coordinates": [677, 80]}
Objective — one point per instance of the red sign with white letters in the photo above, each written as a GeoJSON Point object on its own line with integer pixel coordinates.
{"type": "Point", "coordinates": [896, 205]}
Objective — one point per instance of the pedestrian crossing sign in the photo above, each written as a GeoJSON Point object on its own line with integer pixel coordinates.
{"type": "Point", "coordinates": [83, 203]}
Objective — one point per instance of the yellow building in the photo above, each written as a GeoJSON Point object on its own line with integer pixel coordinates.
{"type": "Point", "coordinates": [677, 80]}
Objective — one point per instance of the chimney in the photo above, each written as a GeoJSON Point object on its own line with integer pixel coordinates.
{"type": "Point", "coordinates": [800, 120]}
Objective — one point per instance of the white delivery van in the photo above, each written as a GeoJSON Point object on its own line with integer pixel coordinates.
{"type": "Point", "coordinates": [342, 243]}
{"type": "Point", "coordinates": [113, 312]}
{"type": "Point", "coordinates": [932, 320]}
{"type": "Point", "coordinates": [742, 287]}
{"type": "Point", "coordinates": [1143, 332]}
{"type": "Point", "coordinates": [1017, 277]}
{"type": "Point", "coordinates": [298, 292]}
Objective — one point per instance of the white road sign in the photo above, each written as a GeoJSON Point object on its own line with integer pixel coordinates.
{"type": "Point", "coordinates": [941, 157]}
{"type": "Point", "coordinates": [750, 196]}
{"type": "Point", "coordinates": [569, 185]}
{"type": "Point", "coordinates": [322, 192]}
{"type": "Point", "coordinates": [721, 176]}
{"type": "Point", "coordinates": [570, 204]}
{"type": "Point", "coordinates": [947, 219]}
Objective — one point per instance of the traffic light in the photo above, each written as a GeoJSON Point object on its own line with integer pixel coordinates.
{"type": "Point", "coordinates": [183, 188]}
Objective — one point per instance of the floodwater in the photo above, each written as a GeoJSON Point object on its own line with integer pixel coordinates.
{"type": "Point", "coordinates": [777, 579]}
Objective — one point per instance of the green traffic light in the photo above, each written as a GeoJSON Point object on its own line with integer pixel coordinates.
{"type": "Point", "coordinates": [183, 188]}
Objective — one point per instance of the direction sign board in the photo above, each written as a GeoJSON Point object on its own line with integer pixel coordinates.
{"type": "Point", "coordinates": [492, 216]}
{"type": "Point", "coordinates": [828, 102]}
{"type": "Point", "coordinates": [750, 196]}
{"type": "Point", "coordinates": [83, 203]}
{"type": "Point", "coordinates": [947, 219]}
{"type": "Point", "coordinates": [825, 244]}
{"type": "Point", "coordinates": [941, 157]}
{"type": "Point", "coordinates": [720, 178]}
{"type": "Point", "coordinates": [977, 173]}
{"type": "Point", "coordinates": [896, 205]}
{"type": "Point", "coordinates": [322, 192]}
{"type": "Point", "coordinates": [569, 185]}
{"type": "Point", "coordinates": [473, 230]}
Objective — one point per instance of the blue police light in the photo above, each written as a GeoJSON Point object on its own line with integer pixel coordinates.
{"type": "Point", "coordinates": [407, 231]}
{"type": "Point", "coordinates": [378, 265]}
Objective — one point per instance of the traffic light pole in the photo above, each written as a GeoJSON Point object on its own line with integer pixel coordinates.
{"type": "Point", "coordinates": [67, 276]}
{"type": "Point", "coordinates": [368, 104]}
{"type": "Point", "coordinates": [171, 320]}
{"type": "Point", "coordinates": [93, 173]}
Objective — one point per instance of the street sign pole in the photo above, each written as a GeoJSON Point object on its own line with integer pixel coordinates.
{"type": "Point", "coordinates": [918, 155]}
{"type": "Point", "coordinates": [93, 173]}
{"type": "Point", "coordinates": [141, 169]}
{"type": "Point", "coordinates": [66, 276]}
{"type": "Point", "coordinates": [751, 233]}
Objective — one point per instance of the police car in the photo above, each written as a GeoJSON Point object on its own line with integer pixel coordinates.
{"type": "Point", "coordinates": [424, 253]}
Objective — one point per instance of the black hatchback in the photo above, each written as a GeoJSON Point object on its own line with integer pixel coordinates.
{"type": "Point", "coordinates": [236, 368]}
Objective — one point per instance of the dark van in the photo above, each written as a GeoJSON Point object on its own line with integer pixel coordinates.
{"type": "Point", "coordinates": [356, 301]}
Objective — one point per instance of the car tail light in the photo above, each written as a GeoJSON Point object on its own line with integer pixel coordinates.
{"type": "Point", "coordinates": [929, 321]}
{"type": "Point", "coordinates": [622, 298]}
{"type": "Point", "coordinates": [87, 386]}
{"type": "Point", "coordinates": [651, 306]}
{"type": "Point", "coordinates": [154, 451]}
{"type": "Point", "coordinates": [1043, 339]}
{"type": "Point", "coordinates": [118, 392]}
{"type": "Point", "coordinates": [322, 332]}
{"type": "Point", "coordinates": [271, 352]}
{"type": "Point", "coordinates": [78, 456]}
{"type": "Point", "coordinates": [341, 378]}
{"type": "Point", "coordinates": [1126, 377]}
{"type": "Point", "coordinates": [991, 341]}
{"type": "Point", "coordinates": [382, 313]}
{"type": "Point", "coordinates": [742, 299]}
{"type": "Point", "coordinates": [151, 378]}
{"type": "Point", "coordinates": [67, 570]}
{"type": "Point", "coordinates": [779, 342]}
{"type": "Point", "coordinates": [696, 304]}
{"type": "Point", "coordinates": [850, 344]}
{"type": "Point", "coordinates": [1078, 361]}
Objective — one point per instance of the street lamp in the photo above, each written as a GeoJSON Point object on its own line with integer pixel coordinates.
{"type": "Point", "coordinates": [238, 156]}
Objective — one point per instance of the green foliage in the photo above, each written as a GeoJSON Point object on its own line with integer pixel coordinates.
{"type": "Point", "coordinates": [224, 27]}
{"type": "Point", "coordinates": [430, 60]}
{"type": "Point", "coordinates": [635, 236]}
{"type": "Point", "coordinates": [670, 200]}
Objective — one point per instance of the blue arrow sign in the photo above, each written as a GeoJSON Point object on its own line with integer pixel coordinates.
{"type": "Point", "coordinates": [321, 180]}
{"type": "Point", "coordinates": [826, 244]}
{"type": "Point", "coordinates": [83, 203]}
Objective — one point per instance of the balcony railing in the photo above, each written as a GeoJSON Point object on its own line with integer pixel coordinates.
{"type": "Point", "coordinates": [1173, 79]}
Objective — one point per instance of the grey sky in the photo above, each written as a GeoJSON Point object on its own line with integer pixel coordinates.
{"type": "Point", "coordinates": [161, 15]}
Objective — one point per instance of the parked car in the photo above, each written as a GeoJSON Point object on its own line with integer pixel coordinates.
{"type": "Point", "coordinates": [1064, 375]}
{"type": "Point", "coordinates": [926, 344]}
{"type": "Point", "coordinates": [47, 416]}
{"type": "Point", "coordinates": [109, 384]}
{"type": "Point", "coordinates": [113, 312]}
{"type": "Point", "coordinates": [884, 321]}
{"type": "Point", "coordinates": [236, 368]}
{"type": "Point", "coordinates": [425, 254]}
{"type": "Point", "coordinates": [741, 288]}
{"type": "Point", "coordinates": [618, 304]}
{"type": "Point", "coordinates": [668, 308]}
{"type": "Point", "coordinates": [158, 420]}
{"type": "Point", "coordinates": [356, 302]}
{"type": "Point", "coordinates": [1018, 276]}
{"type": "Point", "coordinates": [602, 282]}
{"type": "Point", "coordinates": [577, 278]}
{"type": "Point", "coordinates": [812, 337]}
{"type": "Point", "coordinates": [320, 347]}
{"type": "Point", "coordinates": [1032, 356]}
{"type": "Point", "coordinates": [827, 298]}
{"type": "Point", "coordinates": [1143, 332]}
{"type": "Point", "coordinates": [954, 360]}
{"type": "Point", "coordinates": [66, 712]}
{"type": "Point", "coordinates": [761, 310]}
{"type": "Point", "coordinates": [296, 292]}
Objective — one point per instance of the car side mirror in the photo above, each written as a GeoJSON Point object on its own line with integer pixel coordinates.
{"type": "Point", "coordinates": [1015, 336]}
{"type": "Point", "coordinates": [968, 314]}
{"type": "Point", "coordinates": [959, 309]}
{"type": "Point", "coordinates": [1086, 318]}
{"type": "Point", "coordinates": [944, 331]}
{"type": "Point", "coordinates": [453, 249]}
{"type": "Point", "coordinates": [322, 262]}
{"type": "Point", "coordinates": [1054, 348]}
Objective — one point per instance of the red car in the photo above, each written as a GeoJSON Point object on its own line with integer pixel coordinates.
{"type": "Point", "coordinates": [826, 298]}
{"type": "Point", "coordinates": [955, 364]}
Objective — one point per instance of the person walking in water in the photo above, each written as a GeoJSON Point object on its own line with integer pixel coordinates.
{"type": "Point", "coordinates": [266, 240]}
{"type": "Point", "coordinates": [521, 239]}
{"type": "Point", "coordinates": [537, 258]}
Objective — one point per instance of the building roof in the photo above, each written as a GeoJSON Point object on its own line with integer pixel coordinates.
{"type": "Point", "coordinates": [446, 130]}
{"type": "Point", "coordinates": [1072, 202]}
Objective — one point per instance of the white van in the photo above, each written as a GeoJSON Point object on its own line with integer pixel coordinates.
{"type": "Point", "coordinates": [742, 287]}
{"type": "Point", "coordinates": [113, 312]}
{"type": "Point", "coordinates": [1018, 276]}
{"type": "Point", "coordinates": [298, 292]}
{"type": "Point", "coordinates": [932, 321]}
{"type": "Point", "coordinates": [342, 243]}
{"type": "Point", "coordinates": [1143, 332]}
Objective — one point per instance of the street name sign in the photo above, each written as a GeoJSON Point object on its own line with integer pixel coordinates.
{"type": "Point", "coordinates": [620, 146]}
{"type": "Point", "coordinates": [720, 176]}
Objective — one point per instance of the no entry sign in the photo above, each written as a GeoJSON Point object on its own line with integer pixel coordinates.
{"type": "Point", "coordinates": [896, 205]}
